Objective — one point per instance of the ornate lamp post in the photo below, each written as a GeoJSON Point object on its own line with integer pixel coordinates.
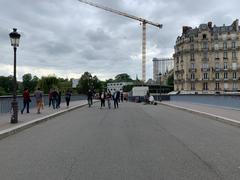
{"type": "Point", "coordinates": [160, 89]}
{"type": "Point", "coordinates": [14, 37]}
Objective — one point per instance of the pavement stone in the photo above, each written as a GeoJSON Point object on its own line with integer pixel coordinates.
{"type": "Point", "coordinates": [223, 114]}
{"type": "Point", "coordinates": [27, 120]}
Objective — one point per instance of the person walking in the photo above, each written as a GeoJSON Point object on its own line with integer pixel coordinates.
{"type": "Point", "coordinates": [26, 100]}
{"type": "Point", "coordinates": [54, 98]}
{"type": "Point", "coordinates": [102, 98]}
{"type": "Point", "coordinates": [59, 98]}
{"type": "Point", "coordinates": [50, 98]}
{"type": "Point", "coordinates": [39, 99]}
{"type": "Point", "coordinates": [108, 96]}
{"type": "Point", "coordinates": [115, 99]}
{"type": "Point", "coordinates": [90, 97]}
{"type": "Point", "coordinates": [68, 97]}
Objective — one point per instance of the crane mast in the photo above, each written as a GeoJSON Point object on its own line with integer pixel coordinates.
{"type": "Point", "coordinates": [144, 23]}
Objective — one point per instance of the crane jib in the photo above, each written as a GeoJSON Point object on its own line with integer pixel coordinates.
{"type": "Point", "coordinates": [121, 13]}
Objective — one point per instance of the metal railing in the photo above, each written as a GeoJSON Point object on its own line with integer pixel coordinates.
{"type": "Point", "coordinates": [5, 102]}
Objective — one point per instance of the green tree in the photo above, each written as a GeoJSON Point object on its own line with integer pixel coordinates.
{"type": "Point", "coordinates": [87, 81]}
{"type": "Point", "coordinates": [64, 84]}
{"type": "Point", "coordinates": [7, 84]}
{"type": "Point", "coordinates": [47, 83]}
{"type": "Point", "coordinates": [170, 80]}
{"type": "Point", "coordinates": [29, 82]}
{"type": "Point", "coordinates": [124, 77]}
{"type": "Point", "coordinates": [84, 83]}
{"type": "Point", "coordinates": [2, 91]}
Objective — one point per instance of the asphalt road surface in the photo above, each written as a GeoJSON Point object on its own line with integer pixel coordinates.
{"type": "Point", "coordinates": [134, 142]}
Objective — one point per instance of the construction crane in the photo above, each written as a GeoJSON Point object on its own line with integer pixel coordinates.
{"type": "Point", "coordinates": [144, 23]}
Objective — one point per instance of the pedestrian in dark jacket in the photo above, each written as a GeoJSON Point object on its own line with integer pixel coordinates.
{"type": "Point", "coordinates": [54, 99]}
{"type": "Point", "coordinates": [26, 100]}
{"type": "Point", "coordinates": [116, 99]}
{"type": "Point", "coordinates": [59, 99]}
{"type": "Point", "coordinates": [68, 97]}
{"type": "Point", "coordinates": [102, 98]}
{"type": "Point", "coordinates": [50, 98]}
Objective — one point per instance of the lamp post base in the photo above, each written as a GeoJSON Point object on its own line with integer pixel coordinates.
{"type": "Point", "coordinates": [14, 118]}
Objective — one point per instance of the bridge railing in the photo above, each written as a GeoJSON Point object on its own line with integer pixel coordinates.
{"type": "Point", "coordinates": [5, 101]}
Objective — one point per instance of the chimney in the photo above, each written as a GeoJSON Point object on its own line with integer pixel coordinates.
{"type": "Point", "coordinates": [185, 29]}
{"type": "Point", "coordinates": [210, 25]}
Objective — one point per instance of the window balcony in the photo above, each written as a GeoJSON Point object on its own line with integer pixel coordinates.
{"type": "Point", "coordinates": [205, 69]}
{"type": "Point", "coordinates": [192, 70]}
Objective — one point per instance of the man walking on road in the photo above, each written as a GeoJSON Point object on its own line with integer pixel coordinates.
{"type": "Point", "coordinates": [116, 99]}
{"type": "Point", "coordinates": [26, 100]}
{"type": "Point", "coordinates": [39, 99]}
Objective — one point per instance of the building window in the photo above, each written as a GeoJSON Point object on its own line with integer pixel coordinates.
{"type": "Point", "coordinates": [233, 44]}
{"type": "Point", "coordinates": [192, 65]}
{"type": "Point", "coordinates": [215, 47]}
{"type": "Point", "coordinates": [217, 76]}
{"type": "Point", "coordinates": [192, 47]}
{"type": "Point", "coordinates": [204, 36]}
{"type": "Point", "coordinates": [225, 66]}
{"type": "Point", "coordinates": [192, 76]}
{"type": "Point", "coordinates": [216, 55]}
{"type": "Point", "coordinates": [205, 45]}
{"type": "Point", "coordinates": [217, 87]}
{"type": "Point", "coordinates": [191, 39]}
{"type": "Point", "coordinates": [205, 76]}
{"type": "Point", "coordinates": [234, 75]}
{"type": "Point", "coordinates": [225, 45]}
{"type": "Point", "coordinates": [192, 86]}
{"type": "Point", "coordinates": [205, 86]}
{"type": "Point", "coordinates": [205, 56]}
{"type": "Point", "coordinates": [234, 66]}
{"type": "Point", "coordinates": [192, 56]}
{"type": "Point", "coordinates": [204, 66]}
{"type": "Point", "coordinates": [225, 75]}
{"type": "Point", "coordinates": [225, 86]}
{"type": "Point", "coordinates": [225, 55]}
{"type": "Point", "coordinates": [217, 67]}
{"type": "Point", "coordinates": [234, 55]}
{"type": "Point", "coordinates": [235, 86]}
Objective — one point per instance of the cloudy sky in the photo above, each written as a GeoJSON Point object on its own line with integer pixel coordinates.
{"type": "Point", "coordinates": [67, 38]}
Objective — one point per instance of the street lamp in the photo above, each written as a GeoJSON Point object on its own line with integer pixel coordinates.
{"type": "Point", "coordinates": [14, 37]}
{"type": "Point", "coordinates": [160, 89]}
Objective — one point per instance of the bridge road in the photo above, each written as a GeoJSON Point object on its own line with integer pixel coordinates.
{"type": "Point", "coordinates": [134, 142]}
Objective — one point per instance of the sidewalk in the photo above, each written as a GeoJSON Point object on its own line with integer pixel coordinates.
{"type": "Point", "coordinates": [27, 120]}
{"type": "Point", "coordinates": [223, 114]}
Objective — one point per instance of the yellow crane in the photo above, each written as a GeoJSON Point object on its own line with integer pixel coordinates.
{"type": "Point", "coordinates": [144, 23]}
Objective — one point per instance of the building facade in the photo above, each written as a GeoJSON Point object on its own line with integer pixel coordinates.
{"type": "Point", "coordinates": [207, 59]}
{"type": "Point", "coordinates": [161, 65]}
{"type": "Point", "coordinates": [118, 86]}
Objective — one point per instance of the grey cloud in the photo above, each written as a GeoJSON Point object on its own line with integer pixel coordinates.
{"type": "Point", "coordinates": [68, 35]}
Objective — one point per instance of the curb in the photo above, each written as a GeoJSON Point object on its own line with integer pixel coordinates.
{"type": "Point", "coordinates": [208, 115]}
{"type": "Point", "coordinates": [10, 131]}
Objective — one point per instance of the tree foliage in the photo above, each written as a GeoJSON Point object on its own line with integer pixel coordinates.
{"type": "Point", "coordinates": [87, 81]}
{"type": "Point", "coordinates": [6, 84]}
{"type": "Point", "coordinates": [29, 82]}
{"type": "Point", "coordinates": [170, 80]}
{"type": "Point", "coordinates": [47, 83]}
{"type": "Point", "coordinates": [124, 77]}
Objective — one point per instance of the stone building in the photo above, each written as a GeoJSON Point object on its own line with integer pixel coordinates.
{"type": "Point", "coordinates": [207, 59]}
